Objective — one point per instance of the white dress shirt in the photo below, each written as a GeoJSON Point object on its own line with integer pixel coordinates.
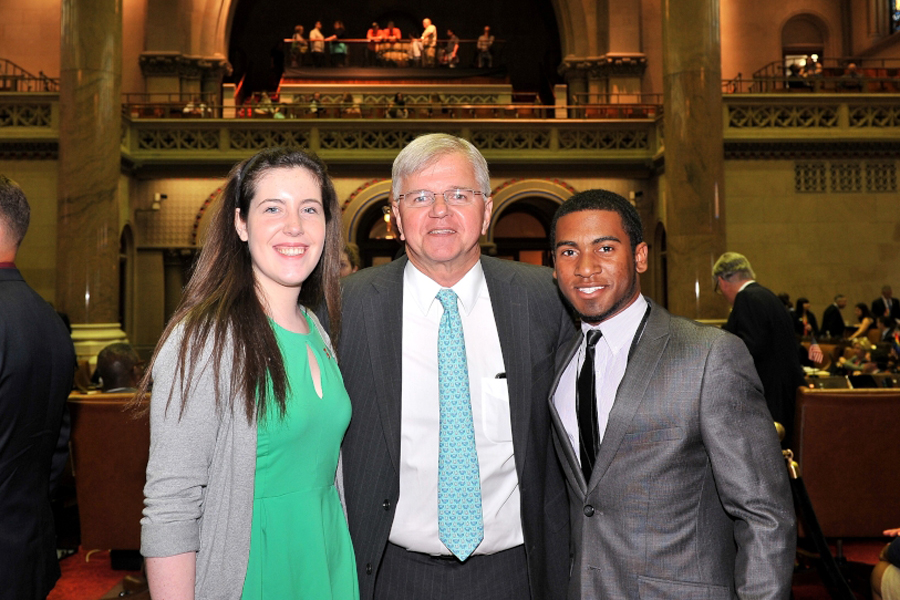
{"type": "Point", "coordinates": [415, 524]}
{"type": "Point", "coordinates": [610, 362]}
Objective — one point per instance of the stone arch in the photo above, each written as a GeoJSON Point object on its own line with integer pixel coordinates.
{"type": "Point", "coordinates": [360, 202]}
{"type": "Point", "coordinates": [806, 32]}
{"type": "Point", "coordinates": [513, 190]}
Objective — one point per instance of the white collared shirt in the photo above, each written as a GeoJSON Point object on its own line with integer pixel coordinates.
{"type": "Point", "coordinates": [610, 362]}
{"type": "Point", "coordinates": [415, 524]}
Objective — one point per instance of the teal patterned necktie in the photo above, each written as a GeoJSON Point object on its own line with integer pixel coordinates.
{"type": "Point", "coordinates": [460, 525]}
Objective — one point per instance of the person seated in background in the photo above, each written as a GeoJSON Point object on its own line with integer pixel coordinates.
{"type": "Point", "coordinates": [373, 39]}
{"type": "Point", "coordinates": [315, 105]}
{"type": "Point", "coordinates": [851, 79]}
{"type": "Point", "coordinates": [450, 57]}
{"type": "Point", "coordinates": [866, 321]}
{"type": "Point", "coordinates": [391, 37]}
{"type": "Point", "coordinates": [398, 108]}
{"type": "Point", "coordinates": [299, 47]}
{"type": "Point", "coordinates": [485, 41]}
{"type": "Point", "coordinates": [350, 261]}
{"type": "Point", "coordinates": [885, 578]}
{"type": "Point", "coordinates": [887, 327]}
{"type": "Point", "coordinates": [194, 108]}
{"type": "Point", "coordinates": [414, 50]}
{"type": "Point", "coordinates": [120, 368]}
{"type": "Point", "coordinates": [860, 361]}
{"type": "Point", "coordinates": [805, 323]}
{"type": "Point", "coordinates": [832, 319]}
{"type": "Point", "coordinates": [350, 106]}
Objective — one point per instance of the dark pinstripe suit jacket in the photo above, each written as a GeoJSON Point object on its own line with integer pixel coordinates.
{"type": "Point", "coordinates": [532, 324]}
{"type": "Point", "coordinates": [37, 364]}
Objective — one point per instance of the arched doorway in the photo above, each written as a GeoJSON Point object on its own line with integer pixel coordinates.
{"type": "Point", "coordinates": [521, 232]}
{"type": "Point", "coordinates": [523, 211]}
{"type": "Point", "coordinates": [803, 41]}
{"type": "Point", "coordinates": [376, 235]}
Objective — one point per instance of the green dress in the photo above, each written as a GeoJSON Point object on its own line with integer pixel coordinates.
{"type": "Point", "coordinates": [299, 542]}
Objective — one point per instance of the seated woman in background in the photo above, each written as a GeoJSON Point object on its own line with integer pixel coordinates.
{"type": "Point", "coordinates": [248, 407]}
{"type": "Point", "coordinates": [886, 575]}
{"type": "Point", "coordinates": [866, 320]}
{"type": "Point", "coordinates": [805, 322]}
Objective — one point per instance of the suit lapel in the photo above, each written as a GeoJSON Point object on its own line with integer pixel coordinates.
{"type": "Point", "coordinates": [631, 391]}
{"type": "Point", "coordinates": [569, 460]}
{"type": "Point", "coordinates": [384, 332]}
{"type": "Point", "coordinates": [511, 315]}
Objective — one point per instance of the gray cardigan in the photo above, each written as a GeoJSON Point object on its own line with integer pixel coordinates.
{"type": "Point", "coordinates": [200, 476]}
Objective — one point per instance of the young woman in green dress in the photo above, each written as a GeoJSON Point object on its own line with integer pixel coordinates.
{"type": "Point", "coordinates": [248, 408]}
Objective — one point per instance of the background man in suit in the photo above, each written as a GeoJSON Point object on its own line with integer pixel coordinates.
{"type": "Point", "coordinates": [832, 319]}
{"type": "Point", "coordinates": [513, 322]}
{"type": "Point", "coordinates": [37, 364]}
{"type": "Point", "coordinates": [676, 482]}
{"type": "Point", "coordinates": [757, 317]}
{"type": "Point", "coordinates": [886, 305]}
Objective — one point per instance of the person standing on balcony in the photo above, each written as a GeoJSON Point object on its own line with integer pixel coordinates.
{"type": "Point", "coordinates": [373, 39]}
{"type": "Point", "coordinates": [317, 45]}
{"type": "Point", "coordinates": [485, 41]}
{"type": "Point", "coordinates": [429, 42]}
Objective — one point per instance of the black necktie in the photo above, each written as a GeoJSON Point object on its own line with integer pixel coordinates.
{"type": "Point", "coordinates": [586, 406]}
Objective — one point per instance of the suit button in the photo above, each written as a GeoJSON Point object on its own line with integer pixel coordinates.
{"type": "Point", "coordinates": [386, 505]}
{"type": "Point", "coordinates": [368, 568]}
{"type": "Point", "coordinates": [589, 511]}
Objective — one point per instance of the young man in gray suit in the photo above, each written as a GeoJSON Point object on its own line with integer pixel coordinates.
{"type": "Point", "coordinates": [428, 403]}
{"type": "Point", "coordinates": [677, 486]}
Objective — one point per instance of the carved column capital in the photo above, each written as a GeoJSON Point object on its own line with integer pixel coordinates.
{"type": "Point", "coordinates": [602, 67]}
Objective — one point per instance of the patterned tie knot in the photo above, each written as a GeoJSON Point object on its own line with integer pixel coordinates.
{"type": "Point", "coordinates": [447, 298]}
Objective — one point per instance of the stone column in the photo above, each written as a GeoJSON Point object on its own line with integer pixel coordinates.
{"type": "Point", "coordinates": [90, 116]}
{"type": "Point", "coordinates": [694, 155]}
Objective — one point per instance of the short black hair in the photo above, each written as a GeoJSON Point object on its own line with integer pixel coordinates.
{"type": "Point", "coordinates": [602, 200]}
{"type": "Point", "coordinates": [14, 209]}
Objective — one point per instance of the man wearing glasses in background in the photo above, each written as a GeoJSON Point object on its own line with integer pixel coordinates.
{"type": "Point", "coordinates": [453, 491]}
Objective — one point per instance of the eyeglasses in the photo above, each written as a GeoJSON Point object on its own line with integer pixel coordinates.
{"type": "Point", "coordinates": [426, 198]}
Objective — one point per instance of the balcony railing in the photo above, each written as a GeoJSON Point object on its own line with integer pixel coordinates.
{"type": "Point", "coordinates": [14, 78]}
{"type": "Point", "coordinates": [362, 53]}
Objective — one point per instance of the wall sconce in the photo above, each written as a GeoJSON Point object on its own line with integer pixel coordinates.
{"type": "Point", "coordinates": [157, 201]}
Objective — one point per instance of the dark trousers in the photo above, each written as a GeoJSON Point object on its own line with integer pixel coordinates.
{"type": "Point", "coordinates": [414, 576]}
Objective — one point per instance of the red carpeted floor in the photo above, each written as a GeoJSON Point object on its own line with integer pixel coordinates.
{"type": "Point", "coordinates": [860, 555]}
{"type": "Point", "coordinates": [87, 578]}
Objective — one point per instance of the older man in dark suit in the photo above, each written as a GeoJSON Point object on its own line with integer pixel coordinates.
{"type": "Point", "coordinates": [676, 482]}
{"type": "Point", "coordinates": [832, 319]}
{"type": "Point", "coordinates": [37, 364]}
{"type": "Point", "coordinates": [758, 318]}
{"type": "Point", "coordinates": [886, 305]}
{"type": "Point", "coordinates": [448, 358]}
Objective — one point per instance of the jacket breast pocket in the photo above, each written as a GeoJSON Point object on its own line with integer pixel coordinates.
{"type": "Point", "coordinates": [495, 415]}
{"type": "Point", "coordinates": [651, 588]}
{"type": "Point", "coordinates": [652, 436]}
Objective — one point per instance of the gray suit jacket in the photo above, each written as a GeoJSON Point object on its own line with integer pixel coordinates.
{"type": "Point", "coordinates": [689, 497]}
{"type": "Point", "coordinates": [532, 324]}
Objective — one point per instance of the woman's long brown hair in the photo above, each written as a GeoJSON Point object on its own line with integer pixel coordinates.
{"type": "Point", "coordinates": [221, 301]}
